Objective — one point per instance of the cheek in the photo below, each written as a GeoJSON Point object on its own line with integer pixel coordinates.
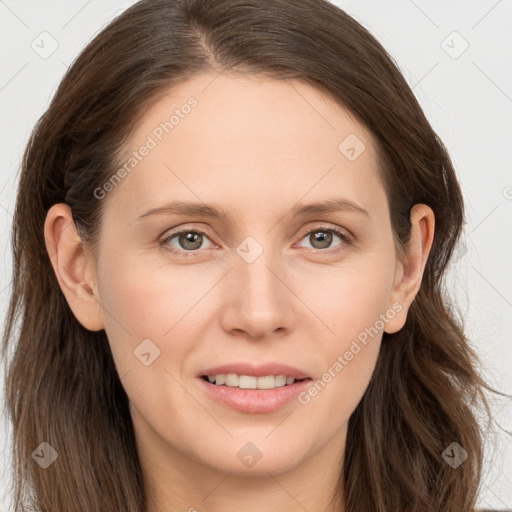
{"type": "Point", "coordinates": [150, 307]}
{"type": "Point", "coordinates": [355, 306]}
{"type": "Point", "coordinates": [350, 298]}
{"type": "Point", "coordinates": [143, 301]}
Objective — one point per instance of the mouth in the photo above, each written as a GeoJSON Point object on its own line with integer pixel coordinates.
{"type": "Point", "coordinates": [259, 393]}
{"type": "Point", "coordinates": [253, 382]}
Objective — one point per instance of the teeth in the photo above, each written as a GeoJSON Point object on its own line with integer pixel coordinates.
{"type": "Point", "coordinates": [250, 381]}
{"type": "Point", "coordinates": [268, 382]}
{"type": "Point", "coordinates": [231, 380]}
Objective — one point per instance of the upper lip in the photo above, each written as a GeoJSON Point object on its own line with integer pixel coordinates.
{"type": "Point", "coordinates": [260, 370]}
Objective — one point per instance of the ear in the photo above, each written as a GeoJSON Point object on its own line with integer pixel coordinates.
{"type": "Point", "coordinates": [410, 268]}
{"type": "Point", "coordinates": [73, 266]}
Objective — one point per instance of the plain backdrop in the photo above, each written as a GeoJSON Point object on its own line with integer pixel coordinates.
{"type": "Point", "coordinates": [455, 54]}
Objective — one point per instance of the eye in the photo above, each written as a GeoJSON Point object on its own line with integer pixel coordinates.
{"type": "Point", "coordinates": [186, 241]}
{"type": "Point", "coordinates": [192, 240]}
{"type": "Point", "coordinates": [322, 237]}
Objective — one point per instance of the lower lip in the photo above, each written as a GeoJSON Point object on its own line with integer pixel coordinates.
{"type": "Point", "coordinates": [254, 400]}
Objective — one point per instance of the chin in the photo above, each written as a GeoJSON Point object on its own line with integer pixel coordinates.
{"type": "Point", "coordinates": [256, 458]}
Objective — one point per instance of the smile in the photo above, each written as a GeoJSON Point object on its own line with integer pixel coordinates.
{"type": "Point", "coordinates": [250, 381]}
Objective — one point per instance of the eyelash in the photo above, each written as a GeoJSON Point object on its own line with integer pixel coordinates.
{"type": "Point", "coordinates": [346, 239]}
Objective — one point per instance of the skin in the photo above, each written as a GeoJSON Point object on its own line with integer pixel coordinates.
{"type": "Point", "coordinates": [254, 147]}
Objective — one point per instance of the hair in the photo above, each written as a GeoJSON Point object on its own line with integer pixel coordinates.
{"type": "Point", "coordinates": [62, 386]}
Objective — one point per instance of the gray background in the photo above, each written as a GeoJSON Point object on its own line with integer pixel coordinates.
{"type": "Point", "coordinates": [454, 54]}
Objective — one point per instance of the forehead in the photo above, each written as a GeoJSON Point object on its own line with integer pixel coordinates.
{"type": "Point", "coordinates": [247, 137]}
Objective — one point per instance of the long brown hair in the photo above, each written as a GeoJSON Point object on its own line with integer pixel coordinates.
{"type": "Point", "coordinates": [62, 385]}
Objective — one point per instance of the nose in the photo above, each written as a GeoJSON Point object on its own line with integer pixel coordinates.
{"type": "Point", "coordinates": [260, 304]}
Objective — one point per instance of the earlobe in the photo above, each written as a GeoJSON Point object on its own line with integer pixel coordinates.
{"type": "Point", "coordinates": [409, 272]}
{"type": "Point", "coordinates": [73, 267]}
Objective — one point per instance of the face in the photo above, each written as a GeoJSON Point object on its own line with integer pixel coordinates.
{"type": "Point", "coordinates": [245, 276]}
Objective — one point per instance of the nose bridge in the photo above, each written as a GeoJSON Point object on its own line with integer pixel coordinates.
{"type": "Point", "coordinates": [256, 268]}
{"type": "Point", "coordinates": [261, 300]}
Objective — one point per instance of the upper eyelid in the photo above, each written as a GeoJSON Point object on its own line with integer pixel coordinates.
{"type": "Point", "coordinates": [171, 234]}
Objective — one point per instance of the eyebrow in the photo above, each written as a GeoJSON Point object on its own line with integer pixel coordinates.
{"type": "Point", "coordinates": [199, 209]}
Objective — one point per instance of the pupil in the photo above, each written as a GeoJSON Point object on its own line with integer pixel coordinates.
{"type": "Point", "coordinates": [325, 239]}
{"type": "Point", "coordinates": [190, 241]}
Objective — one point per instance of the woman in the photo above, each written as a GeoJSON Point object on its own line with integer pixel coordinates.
{"type": "Point", "coordinates": [230, 239]}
